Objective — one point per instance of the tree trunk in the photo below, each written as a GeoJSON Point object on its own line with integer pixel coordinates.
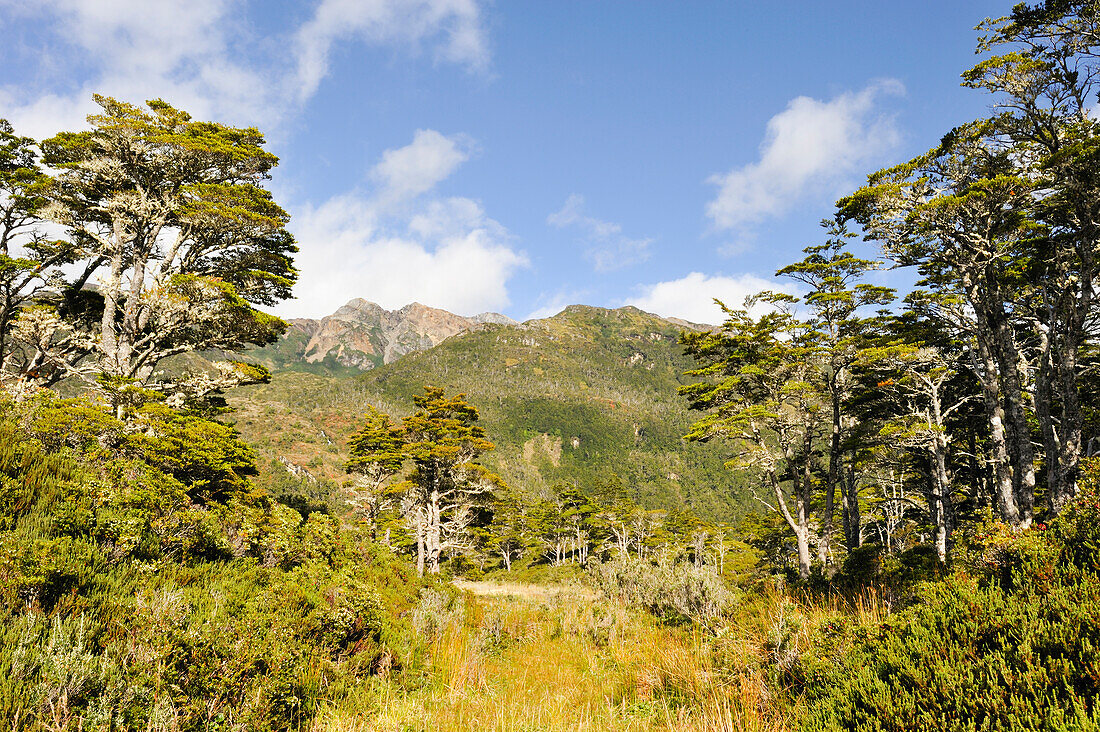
{"type": "Point", "coordinates": [942, 512]}
{"type": "Point", "coordinates": [1003, 490]}
{"type": "Point", "coordinates": [824, 554]}
{"type": "Point", "coordinates": [800, 526]}
{"type": "Point", "coordinates": [434, 537]}
{"type": "Point", "coordinates": [1023, 454]}
{"type": "Point", "coordinates": [853, 534]}
{"type": "Point", "coordinates": [1064, 487]}
{"type": "Point", "coordinates": [421, 543]}
{"type": "Point", "coordinates": [805, 490]}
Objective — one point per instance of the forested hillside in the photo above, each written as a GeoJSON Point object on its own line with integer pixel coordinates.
{"type": "Point", "coordinates": [580, 398]}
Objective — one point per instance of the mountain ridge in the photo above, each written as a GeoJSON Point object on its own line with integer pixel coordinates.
{"type": "Point", "coordinates": [362, 335]}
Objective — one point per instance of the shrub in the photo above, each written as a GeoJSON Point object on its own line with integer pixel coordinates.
{"type": "Point", "coordinates": [1012, 644]}
{"type": "Point", "coordinates": [147, 582]}
{"type": "Point", "coordinates": [437, 611]}
{"type": "Point", "coordinates": [672, 591]}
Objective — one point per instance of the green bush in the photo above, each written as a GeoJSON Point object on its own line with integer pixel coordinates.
{"type": "Point", "coordinates": [1012, 643]}
{"type": "Point", "coordinates": [146, 581]}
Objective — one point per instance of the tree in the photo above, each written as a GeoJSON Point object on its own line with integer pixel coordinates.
{"type": "Point", "coordinates": [171, 216]}
{"type": "Point", "coordinates": [836, 295]}
{"type": "Point", "coordinates": [22, 189]}
{"type": "Point", "coordinates": [378, 454]}
{"type": "Point", "coordinates": [1045, 86]}
{"type": "Point", "coordinates": [762, 388]}
{"type": "Point", "coordinates": [509, 532]}
{"type": "Point", "coordinates": [441, 442]}
{"type": "Point", "coordinates": [577, 512]}
{"type": "Point", "coordinates": [960, 214]}
{"type": "Point", "coordinates": [920, 377]}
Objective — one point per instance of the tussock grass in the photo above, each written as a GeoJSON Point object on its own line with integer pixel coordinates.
{"type": "Point", "coordinates": [569, 664]}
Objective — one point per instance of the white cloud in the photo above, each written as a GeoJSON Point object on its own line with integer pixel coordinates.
{"type": "Point", "coordinates": [692, 297]}
{"type": "Point", "coordinates": [202, 55]}
{"type": "Point", "coordinates": [444, 253]}
{"type": "Point", "coordinates": [454, 25]}
{"type": "Point", "coordinates": [136, 50]}
{"type": "Point", "coordinates": [608, 249]}
{"type": "Point", "coordinates": [811, 146]}
{"type": "Point", "coordinates": [419, 166]}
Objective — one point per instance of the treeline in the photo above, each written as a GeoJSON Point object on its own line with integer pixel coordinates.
{"type": "Point", "coordinates": [871, 421]}
{"type": "Point", "coordinates": [419, 488]}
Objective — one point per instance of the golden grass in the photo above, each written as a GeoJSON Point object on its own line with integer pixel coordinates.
{"type": "Point", "coordinates": [571, 665]}
{"type": "Point", "coordinates": [530, 592]}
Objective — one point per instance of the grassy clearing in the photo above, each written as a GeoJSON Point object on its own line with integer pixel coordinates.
{"type": "Point", "coordinates": [526, 591]}
{"type": "Point", "coordinates": [529, 660]}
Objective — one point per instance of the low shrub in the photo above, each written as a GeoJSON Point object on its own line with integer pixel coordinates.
{"type": "Point", "coordinates": [672, 591]}
{"type": "Point", "coordinates": [1012, 642]}
{"type": "Point", "coordinates": [147, 582]}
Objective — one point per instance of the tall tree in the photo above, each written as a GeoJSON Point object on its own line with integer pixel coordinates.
{"type": "Point", "coordinates": [835, 298]}
{"type": "Point", "coordinates": [441, 441]}
{"type": "Point", "coordinates": [378, 454]}
{"type": "Point", "coordinates": [171, 216]}
{"type": "Point", "coordinates": [1044, 79]}
{"type": "Point", "coordinates": [961, 215]}
{"type": "Point", "coordinates": [761, 386]}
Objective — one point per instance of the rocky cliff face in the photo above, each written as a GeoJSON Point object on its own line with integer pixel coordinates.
{"type": "Point", "coordinates": [362, 335]}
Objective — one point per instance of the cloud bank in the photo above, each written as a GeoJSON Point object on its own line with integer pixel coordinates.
{"type": "Point", "coordinates": [692, 297]}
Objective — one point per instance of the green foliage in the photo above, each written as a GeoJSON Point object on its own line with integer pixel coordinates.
{"type": "Point", "coordinates": [145, 580]}
{"type": "Point", "coordinates": [569, 399]}
{"type": "Point", "coordinates": [1012, 644]}
{"type": "Point", "coordinates": [138, 173]}
{"type": "Point", "coordinates": [207, 456]}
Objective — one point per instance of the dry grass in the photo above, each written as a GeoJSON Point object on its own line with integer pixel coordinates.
{"type": "Point", "coordinates": [569, 664]}
{"type": "Point", "coordinates": [529, 592]}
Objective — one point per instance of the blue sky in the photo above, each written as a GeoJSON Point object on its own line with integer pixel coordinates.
{"type": "Point", "coordinates": [522, 156]}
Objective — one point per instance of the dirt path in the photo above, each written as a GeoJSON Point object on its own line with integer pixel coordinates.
{"type": "Point", "coordinates": [531, 593]}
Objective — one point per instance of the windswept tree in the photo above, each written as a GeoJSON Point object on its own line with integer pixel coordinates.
{"type": "Point", "coordinates": [24, 262]}
{"type": "Point", "coordinates": [1044, 78]}
{"type": "Point", "coordinates": [835, 301]}
{"type": "Point", "coordinates": [169, 221]}
{"type": "Point", "coordinates": [438, 446]}
{"type": "Point", "coordinates": [961, 214]}
{"type": "Point", "coordinates": [760, 383]}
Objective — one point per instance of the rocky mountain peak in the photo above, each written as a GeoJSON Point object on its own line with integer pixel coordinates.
{"type": "Point", "coordinates": [361, 335]}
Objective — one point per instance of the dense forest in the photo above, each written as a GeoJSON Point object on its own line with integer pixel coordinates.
{"type": "Point", "coordinates": [848, 509]}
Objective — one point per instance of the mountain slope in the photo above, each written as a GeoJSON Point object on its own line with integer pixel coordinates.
{"type": "Point", "coordinates": [576, 398]}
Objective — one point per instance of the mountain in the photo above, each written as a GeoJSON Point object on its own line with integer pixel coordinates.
{"type": "Point", "coordinates": [575, 398]}
{"type": "Point", "coordinates": [362, 335]}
